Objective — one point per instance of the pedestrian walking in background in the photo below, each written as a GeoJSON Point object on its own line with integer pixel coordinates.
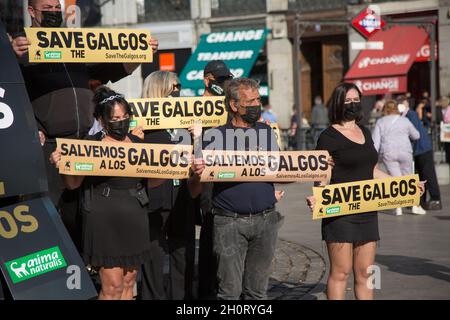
{"type": "Point", "coordinates": [319, 118]}
{"type": "Point", "coordinates": [445, 104]}
{"type": "Point", "coordinates": [268, 115]}
{"type": "Point", "coordinates": [392, 139]}
{"type": "Point", "coordinates": [376, 112]}
{"type": "Point", "coordinates": [292, 135]}
{"type": "Point", "coordinates": [424, 160]}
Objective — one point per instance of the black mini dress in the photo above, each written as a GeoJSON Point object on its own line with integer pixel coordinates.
{"type": "Point", "coordinates": [116, 229]}
{"type": "Point", "coordinates": [353, 162]}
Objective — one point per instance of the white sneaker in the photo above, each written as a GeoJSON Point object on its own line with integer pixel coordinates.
{"type": "Point", "coordinates": [418, 210]}
{"type": "Point", "coordinates": [398, 211]}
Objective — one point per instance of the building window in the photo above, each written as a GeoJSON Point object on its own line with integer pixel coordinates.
{"type": "Point", "coordinates": [11, 14]}
{"type": "Point", "coordinates": [167, 10]}
{"type": "Point", "coordinates": [230, 8]}
{"type": "Point", "coordinates": [316, 5]}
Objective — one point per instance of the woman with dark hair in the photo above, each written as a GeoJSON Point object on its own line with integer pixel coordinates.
{"type": "Point", "coordinates": [116, 233]}
{"type": "Point", "coordinates": [351, 239]}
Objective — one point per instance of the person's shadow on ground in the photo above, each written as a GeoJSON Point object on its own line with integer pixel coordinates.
{"type": "Point", "coordinates": [413, 266]}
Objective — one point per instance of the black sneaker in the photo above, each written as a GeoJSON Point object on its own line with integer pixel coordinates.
{"type": "Point", "coordinates": [433, 205]}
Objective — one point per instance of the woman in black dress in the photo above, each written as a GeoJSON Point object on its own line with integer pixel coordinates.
{"type": "Point", "coordinates": [351, 239]}
{"type": "Point", "coordinates": [116, 233]}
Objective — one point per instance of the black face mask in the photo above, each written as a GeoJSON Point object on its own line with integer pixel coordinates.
{"type": "Point", "coordinates": [51, 19]}
{"type": "Point", "coordinates": [118, 129]}
{"type": "Point", "coordinates": [352, 111]}
{"type": "Point", "coordinates": [252, 114]}
{"type": "Point", "coordinates": [215, 87]}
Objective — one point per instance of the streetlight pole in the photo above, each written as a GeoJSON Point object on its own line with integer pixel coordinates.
{"type": "Point", "coordinates": [297, 85]}
{"type": "Point", "coordinates": [432, 35]}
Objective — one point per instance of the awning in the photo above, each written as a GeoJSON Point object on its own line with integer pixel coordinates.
{"type": "Point", "coordinates": [238, 49]}
{"type": "Point", "coordinates": [384, 71]}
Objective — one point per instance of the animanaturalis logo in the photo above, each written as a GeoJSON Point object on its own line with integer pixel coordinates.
{"type": "Point", "coordinates": [333, 210]}
{"type": "Point", "coordinates": [227, 175]}
{"type": "Point", "coordinates": [35, 264]}
{"type": "Point", "coordinates": [52, 55]}
{"type": "Point", "coordinates": [80, 166]}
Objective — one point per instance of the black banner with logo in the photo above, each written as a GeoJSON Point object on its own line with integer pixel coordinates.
{"type": "Point", "coordinates": [37, 257]}
{"type": "Point", "coordinates": [22, 168]}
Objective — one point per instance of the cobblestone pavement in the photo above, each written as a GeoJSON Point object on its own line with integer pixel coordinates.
{"type": "Point", "coordinates": [297, 270]}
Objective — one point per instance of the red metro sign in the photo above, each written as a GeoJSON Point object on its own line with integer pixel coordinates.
{"type": "Point", "coordinates": [368, 22]}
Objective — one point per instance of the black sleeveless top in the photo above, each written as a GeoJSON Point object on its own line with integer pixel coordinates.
{"type": "Point", "coordinates": [353, 162]}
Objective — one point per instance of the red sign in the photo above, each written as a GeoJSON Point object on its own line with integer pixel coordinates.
{"type": "Point", "coordinates": [373, 86]}
{"type": "Point", "coordinates": [424, 52]}
{"type": "Point", "coordinates": [401, 44]}
{"type": "Point", "coordinates": [367, 22]}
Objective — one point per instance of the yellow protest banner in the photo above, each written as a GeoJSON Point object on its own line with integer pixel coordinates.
{"type": "Point", "coordinates": [365, 196]}
{"type": "Point", "coordinates": [89, 45]}
{"type": "Point", "coordinates": [121, 159]}
{"type": "Point", "coordinates": [2, 188]}
{"type": "Point", "coordinates": [169, 113]}
{"type": "Point", "coordinates": [277, 132]}
{"type": "Point", "coordinates": [274, 166]}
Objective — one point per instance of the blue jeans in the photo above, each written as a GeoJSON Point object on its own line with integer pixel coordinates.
{"type": "Point", "coordinates": [244, 248]}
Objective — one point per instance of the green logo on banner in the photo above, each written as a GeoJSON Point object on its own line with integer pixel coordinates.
{"type": "Point", "coordinates": [52, 55]}
{"type": "Point", "coordinates": [133, 123]}
{"type": "Point", "coordinates": [35, 264]}
{"type": "Point", "coordinates": [79, 166]}
{"type": "Point", "coordinates": [333, 210]}
{"type": "Point", "coordinates": [227, 175]}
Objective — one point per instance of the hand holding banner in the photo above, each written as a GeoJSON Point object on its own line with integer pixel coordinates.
{"type": "Point", "coordinates": [169, 113]}
{"type": "Point", "coordinates": [95, 158]}
{"type": "Point", "coordinates": [276, 130]}
{"type": "Point", "coordinates": [89, 45]}
{"type": "Point", "coordinates": [275, 166]}
{"type": "Point", "coordinates": [365, 196]}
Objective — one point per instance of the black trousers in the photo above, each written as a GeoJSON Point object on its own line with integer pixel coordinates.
{"type": "Point", "coordinates": [66, 201]}
{"type": "Point", "coordinates": [447, 151]}
{"type": "Point", "coordinates": [424, 165]}
{"type": "Point", "coordinates": [207, 264]}
{"type": "Point", "coordinates": [172, 233]}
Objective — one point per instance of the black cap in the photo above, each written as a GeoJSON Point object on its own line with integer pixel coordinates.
{"type": "Point", "coordinates": [217, 68]}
